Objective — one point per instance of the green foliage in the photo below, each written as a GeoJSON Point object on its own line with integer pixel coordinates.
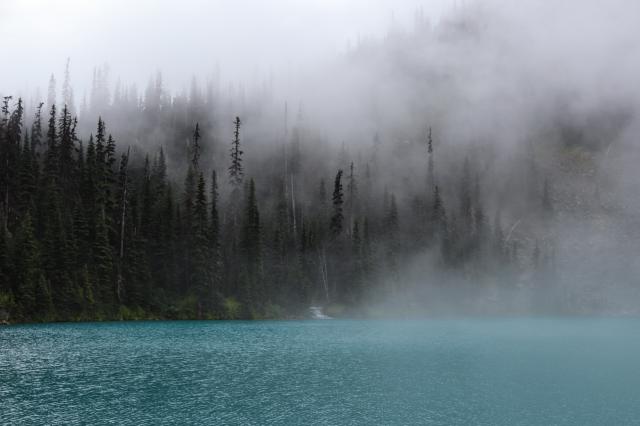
{"type": "Point", "coordinates": [232, 308]}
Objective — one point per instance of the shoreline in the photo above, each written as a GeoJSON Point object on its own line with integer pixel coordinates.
{"type": "Point", "coordinates": [347, 318]}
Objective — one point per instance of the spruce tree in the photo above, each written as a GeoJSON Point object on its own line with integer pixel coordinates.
{"type": "Point", "coordinates": [251, 291]}
{"type": "Point", "coordinates": [195, 150]}
{"type": "Point", "coordinates": [236, 173]}
{"type": "Point", "coordinates": [36, 130]}
{"type": "Point", "coordinates": [201, 262]}
{"type": "Point", "coordinates": [430, 166]}
{"type": "Point", "coordinates": [337, 217]}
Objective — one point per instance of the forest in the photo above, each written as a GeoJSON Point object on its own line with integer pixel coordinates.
{"type": "Point", "coordinates": [92, 232]}
{"type": "Point", "coordinates": [213, 204]}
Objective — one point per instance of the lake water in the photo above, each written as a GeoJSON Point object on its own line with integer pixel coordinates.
{"type": "Point", "coordinates": [428, 372]}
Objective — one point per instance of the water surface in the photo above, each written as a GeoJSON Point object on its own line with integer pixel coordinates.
{"type": "Point", "coordinates": [429, 372]}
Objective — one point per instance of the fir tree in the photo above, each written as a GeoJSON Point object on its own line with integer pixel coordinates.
{"type": "Point", "coordinates": [236, 173]}
{"type": "Point", "coordinates": [36, 130]}
{"type": "Point", "coordinates": [195, 154]}
{"type": "Point", "coordinates": [430, 165]}
{"type": "Point", "coordinates": [337, 217]}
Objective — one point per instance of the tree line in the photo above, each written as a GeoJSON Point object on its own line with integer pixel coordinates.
{"type": "Point", "coordinates": [91, 231]}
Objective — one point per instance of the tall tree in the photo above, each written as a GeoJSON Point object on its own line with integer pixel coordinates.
{"type": "Point", "coordinates": [430, 166]}
{"type": "Point", "coordinates": [236, 173]}
{"type": "Point", "coordinates": [337, 216]}
{"type": "Point", "coordinates": [195, 150]}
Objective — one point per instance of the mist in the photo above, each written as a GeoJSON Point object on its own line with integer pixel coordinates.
{"type": "Point", "coordinates": [531, 109]}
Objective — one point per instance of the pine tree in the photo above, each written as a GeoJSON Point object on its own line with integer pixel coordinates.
{"type": "Point", "coordinates": [103, 264]}
{"type": "Point", "coordinates": [201, 271]}
{"type": "Point", "coordinates": [337, 217]}
{"type": "Point", "coordinates": [195, 154]}
{"type": "Point", "coordinates": [66, 150]}
{"type": "Point", "coordinates": [430, 166]}
{"type": "Point", "coordinates": [214, 242]}
{"type": "Point", "coordinates": [236, 173]}
{"type": "Point", "coordinates": [251, 291]}
{"type": "Point", "coordinates": [51, 160]}
{"type": "Point", "coordinates": [27, 178]}
{"type": "Point", "coordinates": [148, 201]}
{"type": "Point", "coordinates": [159, 171]}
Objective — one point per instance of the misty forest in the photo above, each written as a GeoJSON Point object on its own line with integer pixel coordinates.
{"type": "Point", "coordinates": [241, 202]}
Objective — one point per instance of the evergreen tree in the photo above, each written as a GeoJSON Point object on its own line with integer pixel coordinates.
{"type": "Point", "coordinates": [201, 272]}
{"type": "Point", "coordinates": [337, 217]}
{"type": "Point", "coordinates": [251, 291]}
{"type": "Point", "coordinates": [214, 243]}
{"type": "Point", "coordinates": [27, 267]}
{"type": "Point", "coordinates": [430, 165]}
{"type": "Point", "coordinates": [103, 264]}
{"type": "Point", "coordinates": [195, 154]}
{"type": "Point", "coordinates": [236, 173]}
{"type": "Point", "coordinates": [36, 129]}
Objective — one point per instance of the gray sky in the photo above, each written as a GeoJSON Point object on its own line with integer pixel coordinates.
{"type": "Point", "coordinates": [244, 37]}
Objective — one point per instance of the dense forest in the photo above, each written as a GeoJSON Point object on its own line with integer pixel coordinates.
{"type": "Point", "coordinates": [208, 204]}
{"type": "Point", "coordinates": [92, 232]}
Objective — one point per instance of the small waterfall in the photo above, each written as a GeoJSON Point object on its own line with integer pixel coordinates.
{"type": "Point", "coordinates": [317, 314]}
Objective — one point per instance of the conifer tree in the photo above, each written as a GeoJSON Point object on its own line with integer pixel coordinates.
{"type": "Point", "coordinates": [27, 267]}
{"type": "Point", "coordinates": [236, 173]}
{"type": "Point", "coordinates": [214, 239]}
{"type": "Point", "coordinates": [36, 129]}
{"type": "Point", "coordinates": [195, 154]}
{"type": "Point", "coordinates": [252, 293]}
{"type": "Point", "coordinates": [430, 165]}
{"type": "Point", "coordinates": [337, 217]}
{"type": "Point", "coordinates": [27, 178]}
{"type": "Point", "coordinates": [201, 271]}
{"type": "Point", "coordinates": [103, 264]}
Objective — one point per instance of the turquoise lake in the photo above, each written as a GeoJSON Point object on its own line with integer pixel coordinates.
{"type": "Point", "coordinates": [422, 372]}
